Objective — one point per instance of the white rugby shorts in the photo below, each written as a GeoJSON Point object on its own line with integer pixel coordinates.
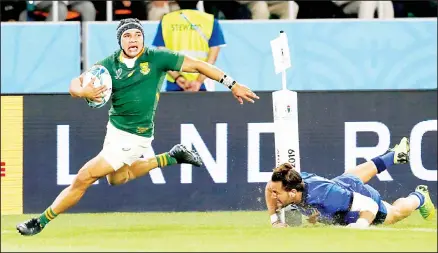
{"type": "Point", "coordinates": [121, 147]}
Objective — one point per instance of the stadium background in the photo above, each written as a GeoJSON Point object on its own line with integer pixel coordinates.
{"type": "Point", "coordinates": [347, 73]}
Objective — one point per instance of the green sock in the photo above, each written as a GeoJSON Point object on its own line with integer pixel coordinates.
{"type": "Point", "coordinates": [47, 216]}
{"type": "Point", "coordinates": [165, 160]}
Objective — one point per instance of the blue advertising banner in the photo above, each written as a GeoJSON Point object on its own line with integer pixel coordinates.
{"type": "Point", "coordinates": [236, 143]}
{"type": "Point", "coordinates": [325, 54]}
{"type": "Point", "coordinates": [39, 57]}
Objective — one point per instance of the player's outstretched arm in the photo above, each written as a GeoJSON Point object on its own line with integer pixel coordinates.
{"type": "Point", "coordinates": [271, 204]}
{"type": "Point", "coordinates": [240, 92]}
{"type": "Point", "coordinates": [211, 58]}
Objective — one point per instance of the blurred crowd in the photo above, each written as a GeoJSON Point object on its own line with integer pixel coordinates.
{"type": "Point", "coordinates": [19, 10]}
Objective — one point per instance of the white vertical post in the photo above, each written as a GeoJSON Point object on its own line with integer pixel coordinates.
{"type": "Point", "coordinates": [200, 6]}
{"type": "Point", "coordinates": [292, 11]}
{"type": "Point", "coordinates": [109, 10]}
{"type": "Point", "coordinates": [283, 79]}
{"type": "Point", "coordinates": [84, 46]}
{"type": "Point", "coordinates": [380, 10]}
{"type": "Point", "coordinates": [285, 111]}
{"type": "Point", "coordinates": [55, 10]}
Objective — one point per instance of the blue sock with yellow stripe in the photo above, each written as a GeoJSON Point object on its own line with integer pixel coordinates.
{"type": "Point", "coordinates": [47, 216]}
{"type": "Point", "coordinates": [165, 159]}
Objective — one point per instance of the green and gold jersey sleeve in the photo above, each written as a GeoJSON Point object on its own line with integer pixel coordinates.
{"type": "Point", "coordinates": [168, 60]}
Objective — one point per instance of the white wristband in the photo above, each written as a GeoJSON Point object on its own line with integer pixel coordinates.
{"type": "Point", "coordinates": [228, 81]}
{"type": "Point", "coordinates": [274, 218]}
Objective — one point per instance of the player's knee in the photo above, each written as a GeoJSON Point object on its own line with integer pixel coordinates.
{"type": "Point", "coordinates": [113, 181]}
{"type": "Point", "coordinates": [83, 179]}
{"type": "Point", "coordinates": [117, 179]}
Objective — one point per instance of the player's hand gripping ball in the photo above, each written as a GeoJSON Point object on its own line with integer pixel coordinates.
{"type": "Point", "coordinates": [101, 77]}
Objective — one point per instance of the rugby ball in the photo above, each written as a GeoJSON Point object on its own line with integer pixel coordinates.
{"type": "Point", "coordinates": [103, 77]}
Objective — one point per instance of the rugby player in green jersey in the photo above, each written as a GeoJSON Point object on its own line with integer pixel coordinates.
{"type": "Point", "coordinates": [137, 74]}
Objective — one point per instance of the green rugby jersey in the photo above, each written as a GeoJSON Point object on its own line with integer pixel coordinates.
{"type": "Point", "coordinates": [136, 90]}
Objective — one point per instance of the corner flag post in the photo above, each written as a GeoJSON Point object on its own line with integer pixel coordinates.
{"type": "Point", "coordinates": [285, 112]}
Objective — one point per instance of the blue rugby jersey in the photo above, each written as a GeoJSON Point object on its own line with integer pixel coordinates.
{"type": "Point", "coordinates": [333, 198]}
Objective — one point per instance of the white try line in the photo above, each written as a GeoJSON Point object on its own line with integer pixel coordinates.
{"type": "Point", "coordinates": [426, 230]}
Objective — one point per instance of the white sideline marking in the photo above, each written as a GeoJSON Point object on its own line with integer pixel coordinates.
{"type": "Point", "coordinates": [427, 230]}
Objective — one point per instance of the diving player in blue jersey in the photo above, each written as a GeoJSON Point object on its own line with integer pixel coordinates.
{"type": "Point", "coordinates": [346, 200]}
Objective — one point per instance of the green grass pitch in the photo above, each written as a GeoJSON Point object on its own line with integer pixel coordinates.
{"type": "Point", "coordinates": [210, 231]}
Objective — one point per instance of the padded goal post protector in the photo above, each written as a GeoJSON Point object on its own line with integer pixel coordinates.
{"type": "Point", "coordinates": [11, 155]}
